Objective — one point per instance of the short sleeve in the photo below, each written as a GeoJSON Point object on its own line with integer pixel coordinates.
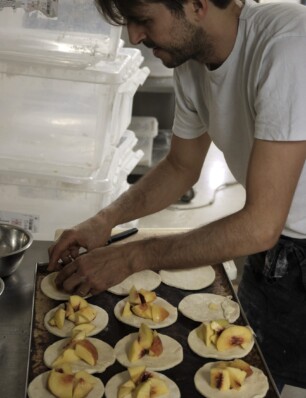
{"type": "Point", "coordinates": [187, 122]}
{"type": "Point", "coordinates": [281, 95]}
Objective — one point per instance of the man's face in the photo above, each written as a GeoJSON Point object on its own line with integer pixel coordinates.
{"type": "Point", "coordinates": [174, 39]}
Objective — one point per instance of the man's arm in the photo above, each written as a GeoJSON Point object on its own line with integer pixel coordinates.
{"type": "Point", "coordinates": [163, 184]}
{"type": "Point", "coordinates": [274, 171]}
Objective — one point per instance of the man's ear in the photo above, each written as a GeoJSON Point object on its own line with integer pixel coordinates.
{"type": "Point", "coordinates": [199, 7]}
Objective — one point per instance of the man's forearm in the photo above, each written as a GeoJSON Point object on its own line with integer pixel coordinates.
{"type": "Point", "coordinates": [222, 240]}
{"type": "Point", "coordinates": [274, 170]}
{"type": "Point", "coordinates": [156, 190]}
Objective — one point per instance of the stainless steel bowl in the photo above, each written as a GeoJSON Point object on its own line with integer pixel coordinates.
{"type": "Point", "coordinates": [14, 241]}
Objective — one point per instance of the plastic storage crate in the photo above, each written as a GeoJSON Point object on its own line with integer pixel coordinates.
{"type": "Point", "coordinates": [62, 122]}
{"type": "Point", "coordinates": [145, 128]}
{"type": "Point", "coordinates": [62, 32]}
{"type": "Point", "coordinates": [52, 204]}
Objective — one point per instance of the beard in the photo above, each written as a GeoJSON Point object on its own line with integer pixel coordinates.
{"type": "Point", "coordinates": [185, 42]}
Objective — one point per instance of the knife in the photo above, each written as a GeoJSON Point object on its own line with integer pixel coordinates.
{"type": "Point", "coordinates": [122, 235]}
{"type": "Point", "coordinates": [117, 237]}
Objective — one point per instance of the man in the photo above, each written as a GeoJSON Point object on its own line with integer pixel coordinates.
{"type": "Point", "coordinates": [240, 81]}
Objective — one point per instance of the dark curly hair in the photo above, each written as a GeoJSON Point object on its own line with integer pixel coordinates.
{"type": "Point", "coordinates": [115, 10]}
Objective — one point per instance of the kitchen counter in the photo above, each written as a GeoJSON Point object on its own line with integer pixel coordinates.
{"type": "Point", "coordinates": [15, 322]}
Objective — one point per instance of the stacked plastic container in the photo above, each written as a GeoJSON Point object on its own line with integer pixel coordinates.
{"type": "Point", "coordinates": [146, 129]}
{"type": "Point", "coordinates": [66, 96]}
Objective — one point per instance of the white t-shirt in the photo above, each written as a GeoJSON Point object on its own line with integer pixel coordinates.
{"type": "Point", "coordinates": [258, 92]}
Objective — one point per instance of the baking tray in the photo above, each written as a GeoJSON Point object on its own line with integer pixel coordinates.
{"type": "Point", "coordinates": [182, 374]}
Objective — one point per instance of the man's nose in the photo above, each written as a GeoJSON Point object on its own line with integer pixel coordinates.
{"type": "Point", "coordinates": [136, 33]}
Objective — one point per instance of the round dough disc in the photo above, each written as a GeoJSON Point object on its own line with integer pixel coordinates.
{"type": "Point", "coordinates": [206, 307]}
{"type": "Point", "coordinates": [106, 356]}
{"type": "Point", "coordinates": [38, 388]}
{"type": "Point", "coordinates": [255, 385]}
{"type": "Point", "coordinates": [200, 348]}
{"type": "Point", "coordinates": [114, 383]}
{"type": "Point", "coordinates": [171, 356]}
{"type": "Point", "coordinates": [189, 279]}
{"type": "Point", "coordinates": [136, 321]}
{"type": "Point", "coordinates": [147, 279]}
{"type": "Point", "coordinates": [50, 290]}
{"type": "Point", "coordinates": [100, 322]}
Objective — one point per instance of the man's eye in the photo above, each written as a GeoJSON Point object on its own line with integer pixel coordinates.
{"type": "Point", "coordinates": [138, 21]}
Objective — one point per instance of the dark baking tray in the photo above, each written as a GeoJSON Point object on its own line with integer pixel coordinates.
{"type": "Point", "coordinates": [182, 374]}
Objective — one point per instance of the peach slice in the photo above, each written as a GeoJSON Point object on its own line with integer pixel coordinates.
{"type": "Point", "coordinates": [134, 297]}
{"type": "Point", "coordinates": [126, 312]}
{"type": "Point", "coordinates": [242, 365]}
{"type": "Point", "coordinates": [232, 336]}
{"type": "Point", "coordinates": [125, 390]}
{"type": "Point", "coordinates": [52, 321]}
{"type": "Point", "coordinates": [68, 356]}
{"type": "Point", "coordinates": [59, 318]}
{"type": "Point", "coordinates": [219, 325]}
{"type": "Point", "coordinates": [71, 317]}
{"type": "Point", "coordinates": [88, 312]}
{"type": "Point", "coordinates": [77, 302]}
{"type": "Point", "coordinates": [237, 377]}
{"type": "Point", "coordinates": [136, 373]}
{"type": "Point", "coordinates": [142, 310]}
{"type": "Point", "coordinates": [65, 368]}
{"type": "Point", "coordinates": [84, 383]}
{"type": "Point", "coordinates": [136, 351]}
{"type": "Point", "coordinates": [206, 333]}
{"type": "Point", "coordinates": [156, 348]}
{"type": "Point", "coordinates": [142, 384]}
{"type": "Point", "coordinates": [143, 390]}
{"type": "Point", "coordinates": [60, 384]}
{"type": "Point", "coordinates": [69, 309]}
{"type": "Point", "coordinates": [86, 327]}
{"type": "Point", "coordinates": [145, 336]}
{"type": "Point", "coordinates": [78, 335]}
{"type": "Point", "coordinates": [86, 351]}
{"type": "Point", "coordinates": [229, 374]}
{"type": "Point", "coordinates": [79, 319]}
{"type": "Point", "coordinates": [158, 313]}
{"type": "Point", "coordinates": [220, 379]}
{"type": "Point", "coordinates": [146, 296]}
{"type": "Point", "coordinates": [86, 376]}
{"type": "Point", "coordinates": [158, 387]}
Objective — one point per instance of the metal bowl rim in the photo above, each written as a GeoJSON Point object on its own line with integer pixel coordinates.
{"type": "Point", "coordinates": [26, 232]}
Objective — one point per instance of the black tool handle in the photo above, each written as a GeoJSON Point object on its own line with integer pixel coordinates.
{"type": "Point", "coordinates": [122, 235]}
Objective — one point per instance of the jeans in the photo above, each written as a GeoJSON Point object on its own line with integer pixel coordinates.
{"type": "Point", "coordinates": [272, 293]}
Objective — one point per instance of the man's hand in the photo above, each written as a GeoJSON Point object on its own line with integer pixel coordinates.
{"type": "Point", "coordinates": [100, 269]}
{"type": "Point", "coordinates": [89, 235]}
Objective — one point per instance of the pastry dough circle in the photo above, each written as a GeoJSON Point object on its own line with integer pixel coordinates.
{"type": "Point", "coordinates": [38, 388]}
{"type": "Point", "coordinates": [136, 321]}
{"type": "Point", "coordinates": [189, 279]}
{"type": "Point", "coordinates": [114, 383]}
{"type": "Point", "coordinates": [255, 386]}
{"type": "Point", "coordinates": [206, 307]}
{"type": "Point", "coordinates": [50, 290]}
{"type": "Point", "coordinates": [200, 348]}
{"type": "Point", "coordinates": [147, 279]}
{"type": "Point", "coordinates": [171, 356]}
{"type": "Point", "coordinates": [106, 356]}
{"type": "Point", "coordinates": [100, 322]}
